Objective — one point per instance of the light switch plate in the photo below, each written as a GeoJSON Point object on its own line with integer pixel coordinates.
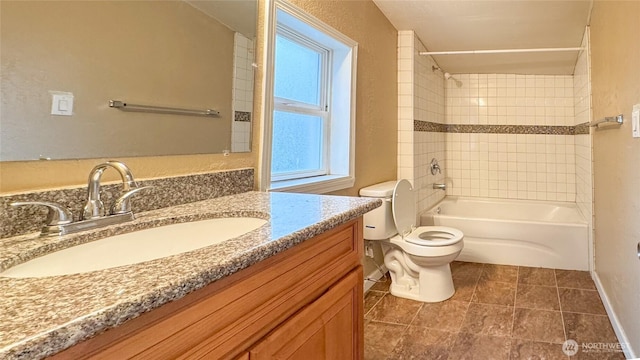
{"type": "Point", "coordinates": [635, 121]}
{"type": "Point", "coordinates": [61, 103]}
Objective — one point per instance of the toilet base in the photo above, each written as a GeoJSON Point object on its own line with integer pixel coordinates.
{"type": "Point", "coordinates": [434, 284]}
{"type": "Point", "coordinates": [426, 279]}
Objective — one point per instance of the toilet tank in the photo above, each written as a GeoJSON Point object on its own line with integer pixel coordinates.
{"type": "Point", "coordinates": [378, 223]}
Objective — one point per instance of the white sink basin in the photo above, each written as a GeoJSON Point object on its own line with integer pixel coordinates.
{"type": "Point", "coordinates": [135, 247]}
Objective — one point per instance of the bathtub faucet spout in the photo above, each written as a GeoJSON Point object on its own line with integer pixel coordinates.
{"type": "Point", "coordinates": [440, 186]}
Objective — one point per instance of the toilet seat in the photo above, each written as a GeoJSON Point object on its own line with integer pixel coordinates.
{"type": "Point", "coordinates": [404, 216]}
{"type": "Point", "coordinates": [434, 236]}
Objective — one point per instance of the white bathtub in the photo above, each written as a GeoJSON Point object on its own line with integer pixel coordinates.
{"type": "Point", "coordinates": [516, 232]}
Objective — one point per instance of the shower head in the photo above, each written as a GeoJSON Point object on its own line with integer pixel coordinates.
{"type": "Point", "coordinates": [448, 76]}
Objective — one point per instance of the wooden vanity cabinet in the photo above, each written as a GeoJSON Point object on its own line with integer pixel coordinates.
{"type": "Point", "coordinates": [304, 303]}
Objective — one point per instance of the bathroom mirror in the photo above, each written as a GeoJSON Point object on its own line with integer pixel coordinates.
{"type": "Point", "coordinates": [75, 56]}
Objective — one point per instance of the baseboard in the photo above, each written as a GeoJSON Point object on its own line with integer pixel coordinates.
{"type": "Point", "coordinates": [374, 275]}
{"type": "Point", "coordinates": [629, 353]}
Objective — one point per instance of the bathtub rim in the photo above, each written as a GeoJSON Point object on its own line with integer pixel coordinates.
{"type": "Point", "coordinates": [566, 204]}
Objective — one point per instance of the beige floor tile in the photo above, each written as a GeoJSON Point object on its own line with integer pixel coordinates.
{"type": "Point", "coordinates": [581, 301]}
{"type": "Point", "coordinates": [485, 319]}
{"type": "Point", "coordinates": [529, 350]}
{"type": "Point", "coordinates": [424, 344]}
{"type": "Point", "coordinates": [536, 276]}
{"type": "Point", "coordinates": [502, 273]}
{"type": "Point", "coordinates": [538, 325]}
{"type": "Point", "coordinates": [494, 292]}
{"type": "Point", "coordinates": [393, 309]}
{"type": "Point", "coordinates": [537, 297]}
{"type": "Point", "coordinates": [380, 339]}
{"type": "Point", "coordinates": [371, 299]}
{"type": "Point", "coordinates": [575, 279]}
{"type": "Point", "coordinates": [587, 328]}
{"type": "Point", "coordinates": [446, 315]}
{"type": "Point", "coordinates": [464, 286]}
{"type": "Point", "coordinates": [480, 347]}
{"type": "Point", "coordinates": [466, 269]}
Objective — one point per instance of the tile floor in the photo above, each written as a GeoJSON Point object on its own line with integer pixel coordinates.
{"type": "Point", "coordinates": [497, 312]}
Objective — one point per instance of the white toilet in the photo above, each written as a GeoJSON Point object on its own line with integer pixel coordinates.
{"type": "Point", "coordinates": [417, 258]}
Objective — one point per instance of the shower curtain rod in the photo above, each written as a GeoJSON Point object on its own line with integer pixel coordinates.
{"type": "Point", "coordinates": [503, 51]}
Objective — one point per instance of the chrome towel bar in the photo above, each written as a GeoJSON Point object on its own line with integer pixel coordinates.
{"type": "Point", "coordinates": [117, 104]}
{"type": "Point", "coordinates": [618, 119]}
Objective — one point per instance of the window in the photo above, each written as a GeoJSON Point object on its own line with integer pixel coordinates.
{"type": "Point", "coordinates": [310, 105]}
{"type": "Point", "coordinates": [300, 116]}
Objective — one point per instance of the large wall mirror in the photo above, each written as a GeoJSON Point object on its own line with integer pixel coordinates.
{"type": "Point", "coordinates": [76, 56]}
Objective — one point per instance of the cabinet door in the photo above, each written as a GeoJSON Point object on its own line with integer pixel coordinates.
{"type": "Point", "coordinates": [329, 328]}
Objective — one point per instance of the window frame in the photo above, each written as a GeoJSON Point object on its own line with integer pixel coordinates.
{"type": "Point", "coordinates": [298, 107]}
{"type": "Point", "coordinates": [341, 101]}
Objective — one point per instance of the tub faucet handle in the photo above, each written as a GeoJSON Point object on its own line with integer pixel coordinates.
{"type": "Point", "coordinates": [435, 167]}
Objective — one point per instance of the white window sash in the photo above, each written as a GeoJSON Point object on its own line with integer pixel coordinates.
{"type": "Point", "coordinates": [324, 169]}
{"type": "Point", "coordinates": [298, 107]}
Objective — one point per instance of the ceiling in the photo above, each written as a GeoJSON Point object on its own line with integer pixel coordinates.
{"type": "Point", "coordinates": [454, 25]}
{"type": "Point", "coordinates": [238, 15]}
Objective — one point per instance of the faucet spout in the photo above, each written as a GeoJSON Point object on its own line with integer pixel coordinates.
{"type": "Point", "coordinates": [94, 207]}
{"type": "Point", "coordinates": [440, 186]}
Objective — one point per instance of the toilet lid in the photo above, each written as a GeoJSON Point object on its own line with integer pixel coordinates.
{"type": "Point", "coordinates": [404, 207]}
{"type": "Point", "coordinates": [434, 236]}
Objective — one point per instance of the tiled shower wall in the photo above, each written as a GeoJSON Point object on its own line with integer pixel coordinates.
{"type": "Point", "coordinates": [421, 98]}
{"type": "Point", "coordinates": [529, 147]}
{"type": "Point", "coordinates": [242, 93]}
{"type": "Point", "coordinates": [531, 166]}
{"type": "Point", "coordinates": [582, 91]}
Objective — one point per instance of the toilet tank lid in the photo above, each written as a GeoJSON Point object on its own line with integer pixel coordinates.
{"type": "Point", "coordinates": [381, 190]}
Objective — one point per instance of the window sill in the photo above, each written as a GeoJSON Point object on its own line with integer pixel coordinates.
{"type": "Point", "coordinates": [314, 185]}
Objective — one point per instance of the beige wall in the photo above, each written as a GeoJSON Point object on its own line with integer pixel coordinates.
{"type": "Point", "coordinates": [21, 176]}
{"type": "Point", "coordinates": [376, 123]}
{"type": "Point", "coordinates": [616, 87]}
{"type": "Point", "coordinates": [161, 53]}
{"type": "Point", "coordinates": [377, 95]}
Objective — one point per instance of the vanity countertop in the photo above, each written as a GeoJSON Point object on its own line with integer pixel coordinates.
{"type": "Point", "coordinates": [41, 316]}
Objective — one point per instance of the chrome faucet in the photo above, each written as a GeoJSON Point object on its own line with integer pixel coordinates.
{"type": "Point", "coordinates": [59, 218]}
{"type": "Point", "coordinates": [440, 186]}
{"type": "Point", "coordinates": [94, 207]}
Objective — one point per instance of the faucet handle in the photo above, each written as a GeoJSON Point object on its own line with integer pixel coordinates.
{"type": "Point", "coordinates": [435, 167]}
{"type": "Point", "coordinates": [58, 214]}
{"type": "Point", "coordinates": [122, 205]}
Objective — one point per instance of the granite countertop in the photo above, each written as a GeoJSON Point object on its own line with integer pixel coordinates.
{"type": "Point", "coordinates": [42, 316]}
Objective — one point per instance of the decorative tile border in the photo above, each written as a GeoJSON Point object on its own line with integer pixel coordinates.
{"type": "Point", "coordinates": [428, 126]}
{"type": "Point", "coordinates": [582, 129]}
{"type": "Point", "coordinates": [163, 193]}
{"type": "Point", "coordinates": [242, 116]}
{"type": "Point", "coordinates": [419, 125]}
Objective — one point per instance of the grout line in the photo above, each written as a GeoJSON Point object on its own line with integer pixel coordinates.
{"type": "Point", "coordinates": [513, 314]}
{"type": "Point", "coordinates": [377, 302]}
{"type": "Point", "coordinates": [389, 322]}
{"type": "Point", "coordinates": [416, 314]}
{"type": "Point", "coordinates": [476, 286]}
{"type": "Point", "coordinates": [575, 288]}
{"type": "Point", "coordinates": [555, 276]}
